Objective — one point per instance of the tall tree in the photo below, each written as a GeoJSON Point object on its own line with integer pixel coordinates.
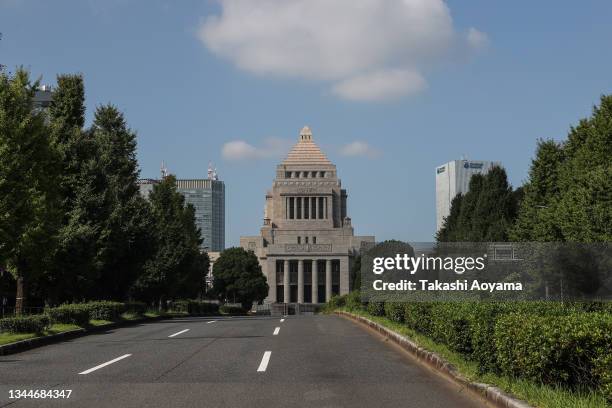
{"type": "Point", "coordinates": [238, 277]}
{"type": "Point", "coordinates": [29, 167]}
{"type": "Point", "coordinates": [536, 214]}
{"type": "Point", "coordinates": [485, 213]}
{"type": "Point", "coordinates": [82, 191]}
{"type": "Point", "coordinates": [448, 231]}
{"type": "Point", "coordinates": [125, 240]}
{"type": "Point", "coordinates": [177, 268]}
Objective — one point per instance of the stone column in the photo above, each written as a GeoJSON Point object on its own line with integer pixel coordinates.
{"type": "Point", "coordinates": [300, 297]}
{"type": "Point", "coordinates": [272, 296]}
{"type": "Point", "coordinates": [328, 280]}
{"type": "Point", "coordinates": [344, 275]}
{"type": "Point", "coordinates": [286, 281]}
{"type": "Point", "coordinates": [315, 282]}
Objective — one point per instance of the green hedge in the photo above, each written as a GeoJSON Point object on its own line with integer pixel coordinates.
{"type": "Point", "coordinates": [232, 310]}
{"type": "Point", "coordinates": [138, 308]}
{"type": "Point", "coordinates": [72, 313]}
{"type": "Point", "coordinates": [196, 307]}
{"type": "Point", "coordinates": [395, 311]}
{"type": "Point", "coordinates": [104, 310]}
{"type": "Point", "coordinates": [353, 301]}
{"type": "Point", "coordinates": [25, 324]}
{"type": "Point", "coordinates": [376, 308]}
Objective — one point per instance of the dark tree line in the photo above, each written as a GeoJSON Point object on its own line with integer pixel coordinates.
{"type": "Point", "coordinates": [566, 198]}
{"type": "Point", "coordinates": [73, 225]}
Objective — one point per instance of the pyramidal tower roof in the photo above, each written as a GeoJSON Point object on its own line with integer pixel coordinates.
{"type": "Point", "coordinates": [306, 151]}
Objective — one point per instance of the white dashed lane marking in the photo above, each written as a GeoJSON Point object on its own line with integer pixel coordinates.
{"type": "Point", "coordinates": [264, 362]}
{"type": "Point", "coordinates": [105, 364]}
{"type": "Point", "coordinates": [276, 331]}
{"type": "Point", "coordinates": [181, 332]}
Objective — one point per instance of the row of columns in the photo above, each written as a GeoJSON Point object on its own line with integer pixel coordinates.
{"type": "Point", "coordinates": [316, 208]}
{"type": "Point", "coordinates": [315, 283]}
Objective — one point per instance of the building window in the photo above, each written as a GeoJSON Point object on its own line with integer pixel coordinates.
{"type": "Point", "coordinates": [296, 174]}
{"type": "Point", "coordinates": [299, 240]}
{"type": "Point", "coordinates": [306, 208]}
{"type": "Point", "coordinates": [291, 208]}
{"type": "Point", "coordinates": [305, 174]}
{"type": "Point", "coordinates": [305, 240]}
{"type": "Point", "coordinates": [321, 174]}
{"type": "Point", "coordinates": [287, 174]}
{"type": "Point", "coordinates": [299, 208]}
{"type": "Point", "coordinates": [314, 240]}
{"type": "Point", "coordinates": [321, 207]}
{"type": "Point", "coordinates": [313, 174]}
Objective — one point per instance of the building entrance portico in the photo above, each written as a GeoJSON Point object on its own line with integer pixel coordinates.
{"type": "Point", "coordinates": [306, 245]}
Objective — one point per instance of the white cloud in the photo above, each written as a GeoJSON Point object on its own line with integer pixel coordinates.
{"type": "Point", "coordinates": [241, 150]}
{"type": "Point", "coordinates": [380, 85]}
{"type": "Point", "coordinates": [359, 148]}
{"type": "Point", "coordinates": [341, 41]}
{"type": "Point", "coordinates": [477, 39]}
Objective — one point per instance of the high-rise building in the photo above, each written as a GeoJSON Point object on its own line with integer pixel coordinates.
{"type": "Point", "coordinates": [208, 199]}
{"type": "Point", "coordinates": [453, 178]}
{"type": "Point", "coordinates": [306, 245]}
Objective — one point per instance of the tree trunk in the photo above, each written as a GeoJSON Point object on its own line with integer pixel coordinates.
{"type": "Point", "coordinates": [20, 297]}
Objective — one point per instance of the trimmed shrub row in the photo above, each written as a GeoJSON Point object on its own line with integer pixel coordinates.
{"type": "Point", "coordinates": [73, 313]}
{"type": "Point", "coordinates": [195, 307]}
{"type": "Point", "coordinates": [232, 310]}
{"type": "Point", "coordinates": [567, 344]}
{"type": "Point", "coordinates": [25, 324]}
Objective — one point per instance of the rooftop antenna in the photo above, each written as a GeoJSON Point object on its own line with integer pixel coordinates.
{"type": "Point", "coordinates": [164, 170]}
{"type": "Point", "coordinates": [212, 172]}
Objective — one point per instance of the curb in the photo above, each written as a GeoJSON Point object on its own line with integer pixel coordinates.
{"type": "Point", "coordinates": [27, 344]}
{"type": "Point", "coordinates": [490, 393]}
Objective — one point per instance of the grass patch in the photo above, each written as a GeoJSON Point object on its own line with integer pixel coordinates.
{"type": "Point", "coordinates": [539, 395]}
{"type": "Point", "coordinates": [7, 338]}
{"type": "Point", "coordinates": [97, 323]}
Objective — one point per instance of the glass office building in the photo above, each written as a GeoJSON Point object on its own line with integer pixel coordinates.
{"type": "Point", "coordinates": [208, 198]}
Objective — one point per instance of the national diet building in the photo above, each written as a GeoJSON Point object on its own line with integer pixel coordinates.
{"type": "Point", "coordinates": [306, 245]}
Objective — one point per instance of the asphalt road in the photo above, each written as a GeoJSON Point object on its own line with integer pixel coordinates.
{"type": "Point", "coordinates": [303, 361]}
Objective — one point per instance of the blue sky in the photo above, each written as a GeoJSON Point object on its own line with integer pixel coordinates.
{"type": "Point", "coordinates": [408, 86]}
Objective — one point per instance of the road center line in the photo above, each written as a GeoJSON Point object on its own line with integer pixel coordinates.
{"type": "Point", "coordinates": [282, 320]}
{"type": "Point", "coordinates": [264, 361]}
{"type": "Point", "coordinates": [212, 321]}
{"type": "Point", "coordinates": [176, 334]}
{"type": "Point", "coordinates": [105, 364]}
{"type": "Point", "coordinates": [276, 331]}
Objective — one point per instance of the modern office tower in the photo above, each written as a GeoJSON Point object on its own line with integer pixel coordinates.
{"type": "Point", "coordinates": [453, 178]}
{"type": "Point", "coordinates": [306, 245]}
{"type": "Point", "coordinates": [208, 198]}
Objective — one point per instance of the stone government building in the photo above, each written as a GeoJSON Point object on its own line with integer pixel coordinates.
{"type": "Point", "coordinates": [306, 245]}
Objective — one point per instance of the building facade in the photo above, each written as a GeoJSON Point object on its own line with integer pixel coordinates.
{"type": "Point", "coordinates": [306, 245]}
{"type": "Point", "coordinates": [453, 178]}
{"type": "Point", "coordinates": [208, 199]}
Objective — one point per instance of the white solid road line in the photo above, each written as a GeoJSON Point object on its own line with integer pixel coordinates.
{"type": "Point", "coordinates": [282, 320]}
{"type": "Point", "coordinates": [276, 331]}
{"type": "Point", "coordinates": [181, 332]}
{"type": "Point", "coordinates": [264, 362]}
{"type": "Point", "coordinates": [105, 364]}
{"type": "Point", "coordinates": [212, 321]}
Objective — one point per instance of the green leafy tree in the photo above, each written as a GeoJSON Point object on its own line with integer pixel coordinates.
{"type": "Point", "coordinates": [485, 213]}
{"type": "Point", "coordinates": [356, 273]}
{"type": "Point", "coordinates": [82, 189]}
{"type": "Point", "coordinates": [238, 277]}
{"type": "Point", "coordinates": [450, 226]}
{"type": "Point", "coordinates": [536, 214]}
{"type": "Point", "coordinates": [177, 268]}
{"type": "Point", "coordinates": [29, 168]}
{"type": "Point", "coordinates": [125, 239]}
